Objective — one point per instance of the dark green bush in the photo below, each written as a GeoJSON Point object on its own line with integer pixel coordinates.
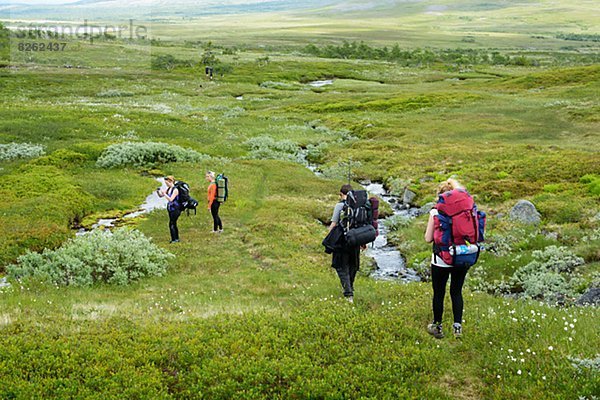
{"type": "Point", "coordinates": [62, 158]}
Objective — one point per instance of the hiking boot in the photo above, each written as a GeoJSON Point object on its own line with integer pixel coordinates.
{"type": "Point", "coordinates": [457, 330]}
{"type": "Point", "coordinates": [435, 330]}
{"type": "Point", "coordinates": [174, 241]}
{"type": "Point", "coordinates": [350, 299]}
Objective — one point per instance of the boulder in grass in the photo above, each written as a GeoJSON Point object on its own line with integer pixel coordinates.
{"type": "Point", "coordinates": [426, 208]}
{"type": "Point", "coordinates": [591, 297]}
{"type": "Point", "coordinates": [525, 212]}
{"type": "Point", "coordinates": [408, 197]}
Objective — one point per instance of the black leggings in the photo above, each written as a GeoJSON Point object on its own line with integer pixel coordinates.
{"type": "Point", "coordinates": [214, 210]}
{"type": "Point", "coordinates": [173, 217]}
{"type": "Point", "coordinates": [439, 278]}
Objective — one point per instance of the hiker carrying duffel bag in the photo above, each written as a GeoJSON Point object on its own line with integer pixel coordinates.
{"type": "Point", "coordinates": [358, 219]}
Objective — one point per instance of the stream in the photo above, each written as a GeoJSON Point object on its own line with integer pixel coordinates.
{"type": "Point", "coordinates": [152, 202]}
{"type": "Point", "coordinates": [390, 262]}
{"type": "Point", "coordinates": [318, 84]}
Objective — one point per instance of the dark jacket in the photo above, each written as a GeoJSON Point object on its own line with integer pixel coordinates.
{"type": "Point", "coordinates": [335, 240]}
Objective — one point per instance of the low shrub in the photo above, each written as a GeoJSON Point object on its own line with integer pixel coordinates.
{"type": "Point", "coordinates": [13, 151]}
{"type": "Point", "coordinates": [101, 256]}
{"type": "Point", "coordinates": [234, 112]}
{"type": "Point", "coordinates": [593, 182]}
{"type": "Point", "coordinates": [265, 147]}
{"type": "Point", "coordinates": [168, 62]}
{"type": "Point", "coordinates": [114, 93]}
{"type": "Point", "coordinates": [560, 209]}
{"type": "Point", "coordinates": [397, 222]}
{"type": "Point", "coordinates": [343, 170]}
{"type": "Point", "coordinates": [281, 85]}
{"type": "Point", "coordinates": [62, 158]}
{"type": "Point", "coordinates": [146, 154]}
{"type": "Point", "coordinates": [551, 276]}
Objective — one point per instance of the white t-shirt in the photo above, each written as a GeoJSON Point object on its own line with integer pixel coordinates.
{"type": "Point", "coordinates": [435, 260]}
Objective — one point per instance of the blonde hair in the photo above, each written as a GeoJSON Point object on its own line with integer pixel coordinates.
{"type": "Point", "coordinates": [448, 185]}
{"type": "Point", "coordinates": [170, 178]}
{"type": "Point", "coordinates": [211, 174]}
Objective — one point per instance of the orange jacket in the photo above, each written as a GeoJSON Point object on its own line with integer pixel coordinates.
{"type": "Point", "coordinates": [212, 193]}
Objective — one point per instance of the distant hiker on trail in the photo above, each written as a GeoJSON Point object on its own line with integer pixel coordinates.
{"type": "Point", "coordinates": [213, 202]}
{"type": "Point", "coordinates": [345, 246]}
{"type": "Point", "coordinates": [174, 207]}
{"type": "Point", "coordinates": [456, 228]}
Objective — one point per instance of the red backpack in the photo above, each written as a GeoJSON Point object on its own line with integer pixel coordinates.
{"type": "Point", "coordinates": [375, 214]}
{"type": "Point", "coordinates": [458, 229]}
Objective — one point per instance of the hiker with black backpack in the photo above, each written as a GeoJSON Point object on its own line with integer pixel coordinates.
{"type": "Point", "coordinates": [214, 202]}
{"type": "Point", "coordinates": [456, 229]}
{"type": "Point", "coordinates": [174, 206]}
{"type": "Point", "coordinates": [350, 230]}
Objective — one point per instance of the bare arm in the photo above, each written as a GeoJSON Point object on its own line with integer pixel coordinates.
{"type": "Point", "coordinates": [429, 230]}
{"type": "Point", "coordinates": [332, 225]}
{"type": "Point", "coordinates": [172, 196]}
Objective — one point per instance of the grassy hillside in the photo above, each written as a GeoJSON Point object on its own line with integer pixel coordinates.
{"type": "Point", "coordinates": [256, 312]}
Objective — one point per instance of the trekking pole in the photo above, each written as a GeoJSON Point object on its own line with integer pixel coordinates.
{"type": "Point", "coordinates": [349, 170]}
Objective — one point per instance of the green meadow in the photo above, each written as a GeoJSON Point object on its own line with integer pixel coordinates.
{"type": "Point", "coordinates": [257, 311]}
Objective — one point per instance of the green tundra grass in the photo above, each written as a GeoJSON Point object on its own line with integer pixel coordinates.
{"type": "Point", "coordinates": [256, 312]}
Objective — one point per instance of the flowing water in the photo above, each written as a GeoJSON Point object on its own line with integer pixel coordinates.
{"type": "Point", "coordinates": [153, 202]}
{"type": "Point", "coordinates": [390, 262]}
{"type": "Point", "coordinates": [318, 84]}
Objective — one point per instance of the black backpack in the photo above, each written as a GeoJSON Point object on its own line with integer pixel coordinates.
{"type": "Point", "coordinates": [357, 209]}
{"type": "Point", "coordinates": [186, 202]}
{"type": "Point", "coordinates": [358, 219]}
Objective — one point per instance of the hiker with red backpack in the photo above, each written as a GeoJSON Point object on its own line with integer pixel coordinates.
{"type": "Point", "coordinates": [456, 229]}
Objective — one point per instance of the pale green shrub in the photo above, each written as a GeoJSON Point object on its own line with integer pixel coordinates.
{"type": "Point", "coordinates": [146, 154]}
{"type": "Point", "coordinates": [280, 85]}
{"type": "Point", "coordinates": [13, 151]}
{"type": "Point", "coordinates": [551, 277]}
{"type": "Point", "coordinates": [397, 222]}
{"type": "Point", "coordinates": [234, 112]}
{"type": "Point", "coordinates": [114, 93]}
{"type": "Point", "coordinates": [265, 147]}
{"type": "Point", "coordinates": [397, 185]}
{"type": "Point", "coordinates": [117, 258]}
{"type": "Point", "coordinates": [342, 170]}
{"type": "Point", "coordinates": [582, 364]}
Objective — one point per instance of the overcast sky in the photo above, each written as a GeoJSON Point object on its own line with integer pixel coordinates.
{"type": "Point", "coordinates": [38, 1]}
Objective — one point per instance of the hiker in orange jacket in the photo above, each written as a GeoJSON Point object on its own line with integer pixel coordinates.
{"type": "Point", "coordinates": [213, 204]}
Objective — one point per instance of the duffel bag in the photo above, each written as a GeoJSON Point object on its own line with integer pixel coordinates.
{"type": "Point", "coordinates": [361, 236]}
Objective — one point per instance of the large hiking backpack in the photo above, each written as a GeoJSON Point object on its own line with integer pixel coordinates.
{"type": "Point", "coordinates": [222, 188]}
{"type": "Point", "coordinates": [186, 202]}
{"type": "Point", "coordinates": [358, 219]}
{"type": "Point", "coordinates": [458, 229]}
